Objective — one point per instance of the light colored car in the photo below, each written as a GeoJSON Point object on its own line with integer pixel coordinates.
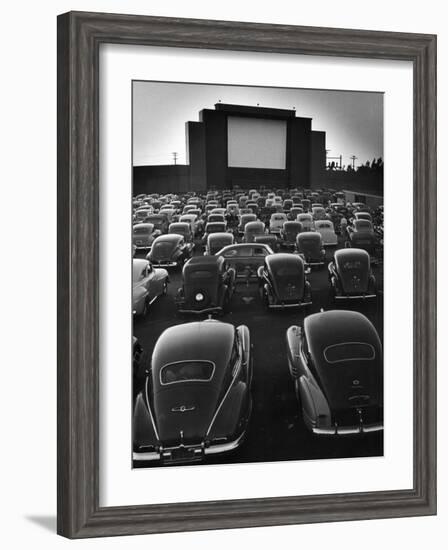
{"type": "Point", "coordinates": [319, 213]}
{"type": "Point", "coordinates": [326, 229]}
{"type": "Point", "coordinates": [148, 283]}
{"type": "Point", "coordinates": [276, 222]}
{"type": "Point", "coordinates": [143, 235]}
{"type": "Point", "coordinates": [193, 220]}
{"type": "Point", "coordinates": [306, 220]}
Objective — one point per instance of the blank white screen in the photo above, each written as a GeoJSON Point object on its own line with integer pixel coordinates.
{"type": "Point", "coordinates": [256, 143]}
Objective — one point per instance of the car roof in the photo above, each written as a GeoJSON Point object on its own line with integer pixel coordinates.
{"type": "Point", "coordinates": [347, 254]}
{"type": "Point", "coordinates": [283, 257]}
{"type": "Point", "coordinates": [309, 236]}
{"type": "Point", "coordinates": [208, 340]}
{"type": "Point", "coordinates": [334, 327]}
{"type": "Point", "coordinates": [168, 237]}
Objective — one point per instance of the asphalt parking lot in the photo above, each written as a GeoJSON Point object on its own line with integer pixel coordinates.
{"type": "Point", "coordinates": [276, 430]}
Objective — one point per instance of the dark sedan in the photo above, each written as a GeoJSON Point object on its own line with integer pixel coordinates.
{"type": "Point", "coordinates": [170, 250]}
{"type": "Point", "coordinates": [283, 283]}
{"type": "Point", "coordinates": [196, 399]}
{"type": "Point", "coordinates": [351, 275]}
{"type": "Point", "coordinates": [207, 286]}
{"type": "Point", "coordinates": [337, 368]}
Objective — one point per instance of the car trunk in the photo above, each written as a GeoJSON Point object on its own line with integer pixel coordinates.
{"type": "Point", "coordinates": [162, 252]}
{"type": "Point", "coordinates": [351, 387]}
{"type": "Point", "coordinates": [289, 283]}
{"type": "Point", "coordinates": [184, 412]}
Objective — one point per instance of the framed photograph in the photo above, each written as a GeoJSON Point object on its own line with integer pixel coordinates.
{"type": "Point", "coordinates": [246, 297]}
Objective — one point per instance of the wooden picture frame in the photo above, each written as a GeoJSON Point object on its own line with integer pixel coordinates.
{"type": "Point", "coordinates": [79, 38]}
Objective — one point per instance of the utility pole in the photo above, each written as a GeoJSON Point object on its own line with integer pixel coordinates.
{"type": "Point", "coordinates": [353, 158]}
{"type": "Point", "coordinates": [175, 157]}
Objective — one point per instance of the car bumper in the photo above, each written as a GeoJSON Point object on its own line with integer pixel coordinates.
{"type": "Point", "coordinates": [164, 264]}
{"type": "Point", "coordinates": [213, 309]}
{"type": "Point", "coordinates": [349, 430]}
{"type": "Point", "coordinates": [287, 306]}
{"type": "Point", "coordinates": [197, 452]}
{"type": "Point", "coordinates": [355, 297]}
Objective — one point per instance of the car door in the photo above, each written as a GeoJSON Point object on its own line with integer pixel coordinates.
{"type": "Point", "coordinates": [150, 282]}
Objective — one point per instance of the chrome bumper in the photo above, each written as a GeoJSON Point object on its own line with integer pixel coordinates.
{"type": "Point", "coordinates": [349, 430]}
{"type": "Point", "coordinates": [284, 306]}
{"type": "Point", "coordinates": [164, 264]}
{"type": "Point", "coordinates": [357, 297]}
{"type": "Point", "coordinates": [199, 450]}
{"type": "Point", "coordinates": [215, 309]}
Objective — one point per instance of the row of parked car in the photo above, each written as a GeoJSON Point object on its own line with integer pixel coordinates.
{"type": "Point", "coordinates": [209, 282]}
{"type": "Point", "coordinates": [196, 397]}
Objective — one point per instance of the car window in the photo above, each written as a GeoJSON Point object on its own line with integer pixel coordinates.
{"type": "Point", "coordinates": [187, 371]}
{"type": "Point", "coordinates": [259, 251]}
{"type": "Point", "coordinates": [349, 351]}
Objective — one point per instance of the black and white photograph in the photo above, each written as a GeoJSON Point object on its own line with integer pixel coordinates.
{"type": "Point", "coordinates": [257, 269]}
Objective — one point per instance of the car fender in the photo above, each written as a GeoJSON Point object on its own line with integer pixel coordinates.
{"type": "Point", "coordinates": [314, 405]}
{"type": "Point", "coordinates": [294, 355]}
{"type": "Point", "coordinates": [144, 430]}
{"type": "Point", "coordinates": [233, 414]}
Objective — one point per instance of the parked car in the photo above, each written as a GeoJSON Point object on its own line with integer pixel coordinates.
{"type": "Point", "coordinates": [336, 364]}
{"type": "Point", "coordinates": [245, 219]}
{"type": "Point", "coordinates": [208, 284]}
{"type": "Point", "coordinates": [143, 235]}
{"type": "Point", "coordinates": [216, 218]}
{"type": "Point", "coordinates": [319, 213]}
{"type": "Point", "coordinates": [193, 220]}
{"type": "Point", "coordinates": [370, 242]}
{"type": "Point", "coordinates": [276, 222]}
{"type": "Point", "coordinates": [217, 241]}
{"type": "Point", "coordinates": [363, 216]}
{"type": "Point", "coordinates": [196, 400]}
{"type": "Point", "coordinates": [184, 229]}
{"type": "Point", "coordinates": [170, 251]}
{"type": "Point", "coordinates": [142, 213]}
{"type": "Point", "coordinates": [252, 229]}
{"type": "Point", "coordinates": [245, 258]}
{"type": "Point", "coordinates": [307, 221]}
{"type": "Point", "coordinates": [294, 212]}
{"type": "Point", "coordinates": [351, 276]}
{"type": "Point", "coordinates": [214, 227]}
{"type": "Point", "coordinates": [283, 283]}
{"type": "Point", "coordinates": [271, 240]}
{"type": "Point", "coordinates": [148, 284]}
{"type": "Point", "coordinates": [289, 233]}
{"type": "Point", "coordinates": [360, 226]}
{"type": "Point", "coordinates": [160, 222]}
{"type": "Point", "coordinates": [310, 247]}
{"type": "Point", "coordinates": [326, 229]}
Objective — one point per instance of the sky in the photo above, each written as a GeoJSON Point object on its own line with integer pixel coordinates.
{"type": "Point", "coordinates": [353, 121]}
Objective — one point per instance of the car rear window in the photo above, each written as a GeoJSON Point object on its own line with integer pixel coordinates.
{"type": "Point", "coordinates": [143, 230]}
{"type": "Point", "coordinates": [187, 371]}
{"type": "Point", "coordinates": [349, 351]}
{"type": "Point", "coordinates": [201, 274]}
{"type": "Point", "coordinates": [353, 264]}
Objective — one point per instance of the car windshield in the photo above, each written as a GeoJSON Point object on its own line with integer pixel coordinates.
{"type": "Point", "coordinates": [187, 371]}
{"type": "Point", "coordinates": [349, 351]}
{"type": "Point", "coordinates": [146, 230]}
